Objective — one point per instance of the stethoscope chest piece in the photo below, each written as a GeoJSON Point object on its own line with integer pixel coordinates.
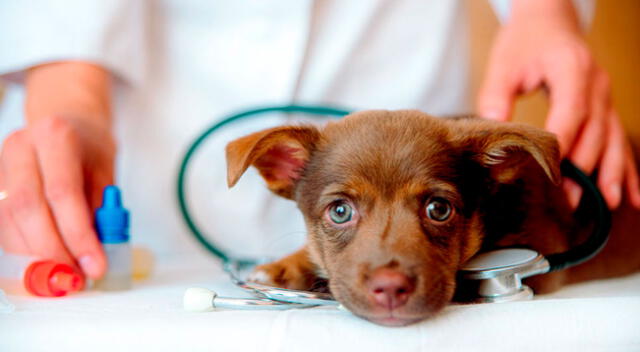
{"type": "Point", "coordinates": [496, 276]}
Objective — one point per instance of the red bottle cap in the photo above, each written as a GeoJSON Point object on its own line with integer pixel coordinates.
{"type": "Point", "coordinates": [50, 279]}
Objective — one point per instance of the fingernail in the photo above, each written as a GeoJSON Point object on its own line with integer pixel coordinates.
{"type": "Point", "coordinates": [89, 266]}
{"type": "Point", "coordinates": [614, 194]}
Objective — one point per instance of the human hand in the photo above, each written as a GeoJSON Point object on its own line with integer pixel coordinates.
{"type": "Point", "coordinates": [542, 46]}
{"type": "Point", "coordinates": [54, 169]}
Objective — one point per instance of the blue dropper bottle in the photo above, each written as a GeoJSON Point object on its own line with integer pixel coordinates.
{"type": "Point", "coordinates": [112, 225]}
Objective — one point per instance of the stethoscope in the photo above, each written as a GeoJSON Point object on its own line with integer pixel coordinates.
{"type": "Point", "coordinates": [489, 277]}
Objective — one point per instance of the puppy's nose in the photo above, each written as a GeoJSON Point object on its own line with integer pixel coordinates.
{"type": "Point", "coordinates": [389, 288]}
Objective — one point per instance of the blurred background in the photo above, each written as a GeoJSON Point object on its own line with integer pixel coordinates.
{"type": "Point", "coordinates": [615, 39]}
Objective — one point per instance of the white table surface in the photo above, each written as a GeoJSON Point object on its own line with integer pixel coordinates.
{"type": "Point", "coordinates": [603, 315]}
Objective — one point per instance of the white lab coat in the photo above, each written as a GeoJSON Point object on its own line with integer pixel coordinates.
{"type": "Point", "coordinates": [181, 64]}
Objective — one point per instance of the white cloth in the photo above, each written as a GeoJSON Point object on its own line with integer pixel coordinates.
{"type": "Point", "coordinates": [110, 32]}
{"type": "Point", "coordinates": [183, 64]}
{"type": "Point", "coordinates": [585, 10]}
{"type": "Point", "coordinates": [595, 316]}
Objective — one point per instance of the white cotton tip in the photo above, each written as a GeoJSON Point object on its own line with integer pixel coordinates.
{"type": "Point", "coordinates": [198, 299]}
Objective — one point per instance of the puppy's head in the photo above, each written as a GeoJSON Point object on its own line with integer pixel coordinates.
{"type": "Point", "coordinates": [395, 202]}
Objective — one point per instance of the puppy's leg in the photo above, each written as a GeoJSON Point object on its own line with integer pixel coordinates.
{"type": "Point", "coordinates": [295, 271]}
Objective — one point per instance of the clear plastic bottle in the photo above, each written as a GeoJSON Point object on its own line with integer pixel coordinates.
{"type": "Point", "coordinates": [28, 275]}
{"type": "Point", "coordinates": [118, 275]}
{"type": "Point", "coordinates": [112, 225]}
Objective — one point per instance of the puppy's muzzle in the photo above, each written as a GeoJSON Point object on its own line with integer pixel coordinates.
{"type": "Point", "coordinates": [389, 288]}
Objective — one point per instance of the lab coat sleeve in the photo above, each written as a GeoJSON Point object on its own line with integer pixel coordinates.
{"type": "Point", "coordinates": [585, 10]}
{"type": "Point", "coordinates": [110, 33]}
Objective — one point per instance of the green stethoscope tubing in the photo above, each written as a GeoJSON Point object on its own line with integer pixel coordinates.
{"type": "Point", "coordinates": [312, 110]}
{"type": "Point", "coordinates": [558, 261]}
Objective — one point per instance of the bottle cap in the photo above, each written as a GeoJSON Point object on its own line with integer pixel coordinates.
{"type": "Point", "coordinates": [50, 279]}
{"type": "Point", "coordinates": [112, 219]}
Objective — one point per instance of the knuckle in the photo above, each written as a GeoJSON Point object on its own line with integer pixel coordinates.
{"type": "Point", "coordinates": [578, 109]}
{"type": "Point", "coordinates": [79, 241]}
{"type": "Point", "coordinates": [59, 191]}
{"type": "Point", "coordinates": [15, 140]}
{"type": "Point", "coordinates": [577, 104]}
{"type": "Point", "coordinates": [24, 199]}
{"type": "Point", "coordinates": [583, 57]}
{"type": "Point", "coordinates": [610, 178]}
{"type": "Point", "coordinates": [55, 128]}
{"type": "Point", "coordinates": [54, 124]}
{"type": "Point", "coordinates": [575, 55]}
{"type": "Point", "coordinates": [586, 165]}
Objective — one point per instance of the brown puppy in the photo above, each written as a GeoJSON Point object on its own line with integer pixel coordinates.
{"type": "Point", "coordinates": [396, 202]}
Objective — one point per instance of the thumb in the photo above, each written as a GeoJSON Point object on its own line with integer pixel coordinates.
{"type": "Point", "coordinates": [499, 89]}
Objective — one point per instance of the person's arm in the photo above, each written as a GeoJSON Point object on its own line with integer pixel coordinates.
{"type": "Point", "coordinates": [541, 45]}
{"type": "Point", "coordinates": [54, 168]}
{"type": "Point", "coordinates": [69, 88]}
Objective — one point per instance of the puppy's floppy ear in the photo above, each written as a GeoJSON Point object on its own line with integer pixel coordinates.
{"type": "Point", "coordinates": [505, 148]}
{"type": "Point", "coordinates": [279, 154]}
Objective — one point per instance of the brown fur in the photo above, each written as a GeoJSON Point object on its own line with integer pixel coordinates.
{"type": "Point", "coordinates": [501, 179]}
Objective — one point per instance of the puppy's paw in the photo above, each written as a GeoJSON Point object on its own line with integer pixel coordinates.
{"type": "Point", "coordinates": [293, 272]}
{"type": "Point", "coordinates": [261, 276]}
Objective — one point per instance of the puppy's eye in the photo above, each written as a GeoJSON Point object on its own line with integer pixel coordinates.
{"type": "Point", "coordinates": [340, 212]}
{"type": "Point", "coordinates": [439, 209]}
